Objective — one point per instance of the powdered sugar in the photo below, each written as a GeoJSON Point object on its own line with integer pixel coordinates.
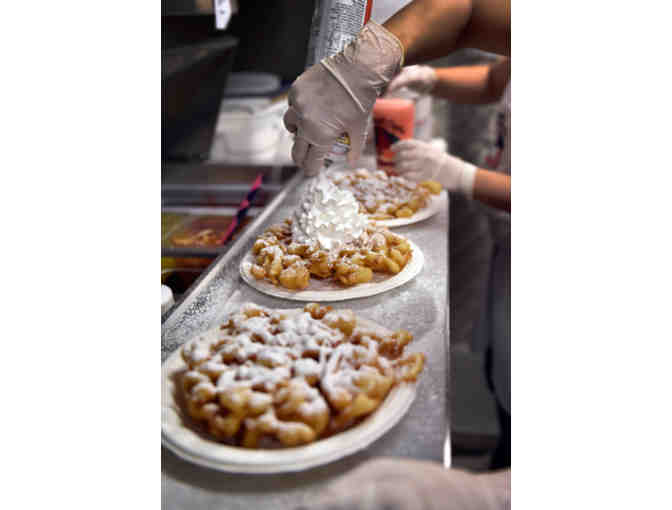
{"type": "Point", "coordinates": [262, 348]}
{"type": "Point", "coordinates": [307, 367]}
{"type": "Point", "coordinates": [376, 191]}
{"type": "Point", "coordinates": [267, 349]}
{"type": "Point", "coordinates": [290, 375]}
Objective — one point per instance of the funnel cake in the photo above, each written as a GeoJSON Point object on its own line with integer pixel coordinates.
{"type": "Point", "coordinates": [276, 378]}
{"type": "Point", "coordinates": [384, 197]}
{"type": "Point", "coordinates": [282, 261]}
{"type": "Point", "coordinates": [327, 238]}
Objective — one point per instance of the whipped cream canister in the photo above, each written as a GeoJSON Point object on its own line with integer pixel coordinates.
{"type": "Point", "coordinates": [335, 24]}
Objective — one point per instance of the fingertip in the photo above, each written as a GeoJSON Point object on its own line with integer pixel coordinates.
{"type": "Point", "coordinates": [299, 150]}
{"type": "Point", "coordinates": [291, 120]}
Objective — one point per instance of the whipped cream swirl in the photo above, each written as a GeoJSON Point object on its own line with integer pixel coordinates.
{"type": "Point", "coordinates": [328, 216]}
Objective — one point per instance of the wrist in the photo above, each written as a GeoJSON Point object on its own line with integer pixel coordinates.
{"type": "Point", "coordinates": [369, 63]}
{"type": "Point", "coordinates": [431, 82]}
{"type": "Point", "coordinates": [378, 52]}
{"type": "Point", "coordinates": [466, 179]}
{"type": "Point", "coordinates": [384, 33]}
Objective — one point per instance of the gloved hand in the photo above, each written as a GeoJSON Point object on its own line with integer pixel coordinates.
{"type": "Point", "coordinates": [420, 161]}
{"type": "Point", "coordinates": [396, 484]}
{"type": "Point", "coordinates": [417, 78]}
{"type": "Point", "coordinates": [337, 95]}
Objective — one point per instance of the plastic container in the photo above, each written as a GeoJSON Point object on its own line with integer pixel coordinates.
{"type": "Point", "coordinates": [203, 231]}
{"type": "Point", "coordinates": [250, 126]}
{"type": "Point", "coordinates": [251, 84]}
{"type": "Point", "coordinates": [424, 119]}
{"type": "Point", "coordinates": [170, 221]}
{"type": "Point", "coordinates": [393, 120]}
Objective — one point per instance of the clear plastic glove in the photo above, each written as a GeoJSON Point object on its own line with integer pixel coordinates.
{"type": "Point", "coordinates": [396, 484]}
{"type": "Point", "coordinates": [417, 78]}
{"type": "Point", "coordinates": [420, 161]}
{"type": "Point", "coordinates": [337, 95]}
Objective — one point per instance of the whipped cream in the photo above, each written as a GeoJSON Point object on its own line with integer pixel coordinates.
{"type": "Point", "coordinates": [328, 216]}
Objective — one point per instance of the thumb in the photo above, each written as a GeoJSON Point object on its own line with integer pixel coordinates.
{"type": "Point", "coordinates": [314, 160]}
{"type": "Point", "coordinates": [357, 141]}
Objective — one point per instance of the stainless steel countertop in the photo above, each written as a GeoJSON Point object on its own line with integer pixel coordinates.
{"type": "Point", "coordinates": [420, 306]}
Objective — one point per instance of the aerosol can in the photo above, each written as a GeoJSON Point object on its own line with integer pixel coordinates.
{"type": "Point", "coordinates": [335, 24]}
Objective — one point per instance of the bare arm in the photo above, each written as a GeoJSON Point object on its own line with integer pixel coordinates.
{"type": "Point", "coordinates": [493, 189]}
{"type": "Point", "coordinates": [478, 84]}
{"type": "Point", "coordinates": [430, 29]}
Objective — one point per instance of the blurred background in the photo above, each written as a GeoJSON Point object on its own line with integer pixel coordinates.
{"type": "Point", "coordinates": [226, 69]}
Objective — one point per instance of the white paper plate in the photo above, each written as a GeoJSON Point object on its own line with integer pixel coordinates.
{"type": "Point", "coordinates": [192, 446]}
{"type": "Point", "coordinates": [319, 290]}
{"type": "Point", "coordinates": [435, 204]}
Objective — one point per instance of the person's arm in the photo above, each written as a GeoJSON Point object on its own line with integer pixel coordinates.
{"type": "Point", "coordinates": [473, 84]}
{"type": "Point", "coordinates": [420, 161]}
{"type": "Point", "coordinates": [477, 84]}
{"type": "Point", "coordinates": [493, 189]}
{"type": "Point", "coordinates": [430, 29]}
{"type": "Point", "coordinates": [337, 95]}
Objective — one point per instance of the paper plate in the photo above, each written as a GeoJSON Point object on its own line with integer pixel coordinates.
{"type": "Point", "coordinates": [319, 290]}
{"type": "Point", "coordinates": [190, 444]}
{"type": "Point", "coordinates": [435, 204]}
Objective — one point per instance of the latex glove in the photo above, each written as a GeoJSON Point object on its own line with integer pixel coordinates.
{"type": "Point", "coordinates": [417, 78]}
{"type": "Point", "coordinates": [420, 161]}
{"type": "Point", "coordinates": [391, 484]}
{"type": "Point", "coordinates": [337, 95]}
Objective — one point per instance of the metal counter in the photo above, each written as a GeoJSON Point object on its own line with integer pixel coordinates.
{"type": "Point", "coordinates": [420, 306]}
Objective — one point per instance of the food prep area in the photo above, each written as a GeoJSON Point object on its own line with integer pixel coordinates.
{"type": "Point", "coordinates": [229, 187]}
{"type": "Point", "coordinates": [420, 306]}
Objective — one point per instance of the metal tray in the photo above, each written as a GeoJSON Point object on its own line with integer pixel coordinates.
{"type": "Point", "coordinates": [195, 216]}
